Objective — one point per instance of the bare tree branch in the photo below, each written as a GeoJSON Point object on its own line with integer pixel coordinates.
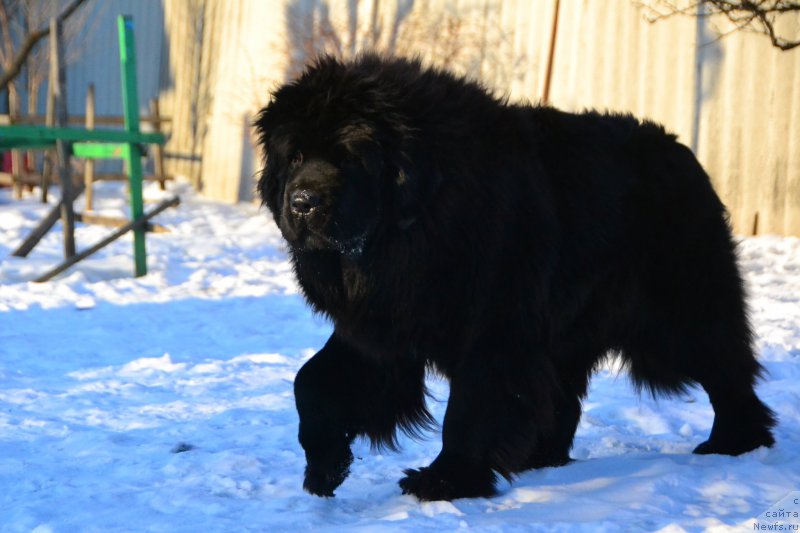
{"type": "Point", "coordinates": [467, 39]}
{"type": "Point", "coordinates": [758, 15]}
{"type": "Point", "coordinates": [5, 29]}
{"type": "Point", "coordinates": [30, 41]}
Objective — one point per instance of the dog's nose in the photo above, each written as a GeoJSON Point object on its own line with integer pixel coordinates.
{"type": "Point", "coordinates": [303, 201]}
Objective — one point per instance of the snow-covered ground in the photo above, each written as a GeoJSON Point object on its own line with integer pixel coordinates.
{"type": "Point", "coordinates": [165, 403]}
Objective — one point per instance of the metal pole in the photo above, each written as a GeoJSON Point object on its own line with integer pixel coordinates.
{"type": "Point", "coordinates": [548, 76]}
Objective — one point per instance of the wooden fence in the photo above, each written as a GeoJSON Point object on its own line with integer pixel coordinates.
{"type": "Point", "coordinates": [735, 100]}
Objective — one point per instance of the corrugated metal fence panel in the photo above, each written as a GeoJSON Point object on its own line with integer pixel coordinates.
{"type": "Point", "coordinates": [97, 56]}
{"type": "Point", "coordinates": [93, 57]}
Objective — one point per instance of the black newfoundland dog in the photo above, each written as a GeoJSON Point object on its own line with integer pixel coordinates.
{"type": "Point", "coordinates": [510, 248]}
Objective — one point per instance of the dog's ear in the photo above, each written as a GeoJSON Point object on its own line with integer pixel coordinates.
{"type": "Point", "coordinates": [263, 128]}
{"type": "Point", "coordinates": [407, 198]}
{"type": "Point", "coordinates": [413, 191]}
{"type": "Point", "coordinates": [267, 185]}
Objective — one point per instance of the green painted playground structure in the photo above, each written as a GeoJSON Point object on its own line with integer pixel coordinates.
{"type": "Point", "coordinates": [98, 144]}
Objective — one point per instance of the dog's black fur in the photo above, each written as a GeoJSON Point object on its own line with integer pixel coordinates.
{"type": "Point", "coordinates": [510, 248]}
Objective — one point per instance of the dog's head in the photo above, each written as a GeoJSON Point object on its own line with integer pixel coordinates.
{"type": "Point", "coordinates": [336, 143]}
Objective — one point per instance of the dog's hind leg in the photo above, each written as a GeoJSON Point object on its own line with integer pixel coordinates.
{"type": "Point", "coordinates": [690, 324]}
{"type": "Point", "coordinates": [552, 449]}
{"type": "Point", "coordinates": [712, 349]}
{"type": "Point", "coordinates": [741, 420]}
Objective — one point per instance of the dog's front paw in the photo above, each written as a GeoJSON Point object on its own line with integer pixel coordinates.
{"type": "Point", "coordinates": [437, 482]}
{"type": "Point", "coordinates": [324, 474]}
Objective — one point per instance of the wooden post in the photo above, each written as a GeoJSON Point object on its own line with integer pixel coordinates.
{"type": "Point", "coordinates": [49, 156]}
{"type": "Point", "coordinates": [63, 149]}
{"type": "Point", "coordinates": [44, 226]}
{"type": "Point", "coordinates": [33, 102]}
{"type": "Point", "coordinates": [133, 155]}
{"type": "Point", "coordinates": [158, 150]}
{"type": "Point", "coordinates": [88, 175]}
{"type": "Point", "coordinates": [135, 225]}
{"type": "Point", "coordinates": [14, 109]}
{"type": "Point", "coordinates": [116, 222]}
{"type": "Point", "coordinates": [17, 170]}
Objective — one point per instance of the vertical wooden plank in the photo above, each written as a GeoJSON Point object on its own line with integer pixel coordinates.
{"type": "Point", "coordinates": [49, 155]}
{"type": "Point", "coordinates": [206, 79]}
{"type": "Point", "coordinates": [173, 95]}
{"type": "Point", "coordinates": [792, 201]}
{"type": "Point", "coordinates": [17, 171]}
{"type": "Point", "coordinates": [33, 104]}
{"type": "Point", "coordinates": [58, 81]}
{"type": "Point", "coordinates": [14, 111]}
{"type": "Point", "coordinates": [185, 90]}
{"type": "Point", "coordinates": [133, 154]}
{"type": "Point", "coordinates": [182, 100]}
{"type": "Point", "coordinates": [88, 176]}
{"type": "Point", "coordinates": [158, 150]}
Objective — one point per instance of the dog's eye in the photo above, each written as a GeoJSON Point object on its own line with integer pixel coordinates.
{"type": "Point", "coordinates": [297, 159]}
